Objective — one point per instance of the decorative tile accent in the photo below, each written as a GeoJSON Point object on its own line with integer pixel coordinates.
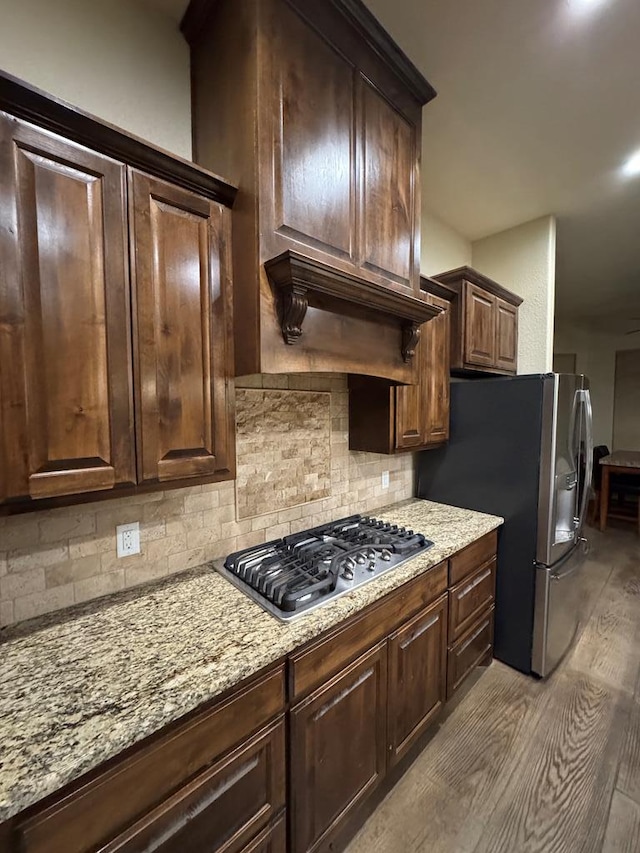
{"type": "Point", "coordinates": [283, 441]}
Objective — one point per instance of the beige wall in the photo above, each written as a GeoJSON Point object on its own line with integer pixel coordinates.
{"type": "Point", "coordinates": [442, 248]}
{"type": "Point", "coordinates": [117, 59]}
{"type": "Point", "coordinates": [626, 407]}
{"type": "Point", "coordinates": [523, 259]}
{"type": "Point", "coordinates": [596, 357]}
{"type": "Point", "coordinates": [52, 559]}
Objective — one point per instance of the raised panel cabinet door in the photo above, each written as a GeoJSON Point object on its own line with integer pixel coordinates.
{"type": "Point", "coordinates": [506, 336]}
{"type": "Point", "coordinates": [479, 326]}
{"type": "Point", "coordinates": [417, 677]}
{"type": "Point", "coordinates": [435, 373]}
{"type": "Point", "coordinates": [182, 332]}
{"type": "Point", "coordinates": [410, 426]}
{"type": "Point", "coordinates": [338, 749]}
{"type": "Point", "coordinates": [313, 139]}
{"type": "Point", "coordinates": [388, 189]}
{"type": "Point", "coordinates": [66, 401]}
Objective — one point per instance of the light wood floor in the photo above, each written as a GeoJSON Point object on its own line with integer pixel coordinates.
{"type": "Point", "coordinates": [524, 766]}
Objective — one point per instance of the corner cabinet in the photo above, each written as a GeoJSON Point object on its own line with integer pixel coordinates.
{"type": "Point", "coordinates": [484, 323]}
{"type": "Point", "coordinates": [116, 346]}
{"type": "Point", "coordinates": [318, 119]}
{"type": "Point", "coordinates": [384, 418]}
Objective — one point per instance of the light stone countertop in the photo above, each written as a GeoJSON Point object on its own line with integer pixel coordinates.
{"type": "Point", "coordinates": [78, 687]}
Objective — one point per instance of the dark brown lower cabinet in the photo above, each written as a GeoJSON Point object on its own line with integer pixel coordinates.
{"type": "Point", "coordinates": [338, 749]}
{"type": "Point", "coordinates": [359, 700]}
{"type": "Point", "coordinates": [417, 677]}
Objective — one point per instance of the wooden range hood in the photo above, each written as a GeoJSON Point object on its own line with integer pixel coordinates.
{"type": "Point", "coordinates": [312, 110]}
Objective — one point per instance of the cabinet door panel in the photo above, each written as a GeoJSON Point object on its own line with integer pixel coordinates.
{"type": "Point", "coordinates": [314, 179]}
{"type": "Point", "coordinates": [65, 373]}
{"type": "Point", "coordinates": [182, 335]}
{"type": "Point", "coordinates": [410, 428]}
{"type": "Point", "coordinates": [388, 189]}
{"type": "Point", "coordinates": [338, 748]}
{"type": "Point", "coordinates": [480, 326]}
{"type": "Point", "coordinates": [417, 677]}
{"type": "Point", "coordinates": [506, 336]}
{"type": "Point", "coordinates": [435, 373]}
{"type": "Point", "coordinates": [219, 810]}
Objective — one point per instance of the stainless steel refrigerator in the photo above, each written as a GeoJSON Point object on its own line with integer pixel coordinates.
{"type": "Point", "coordinates": [521, 447]}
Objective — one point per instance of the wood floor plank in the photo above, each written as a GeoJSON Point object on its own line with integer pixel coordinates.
{"type": "Point", "coordinates": [478, 748]}
{"type": "Point", "coordinates": [561, 791]}
{"type": "Point", "coordinates": [431, 820]}
{"type": "Point", "coordinates": [608, 646]}
{"type": "Point", "coordinates": [629, 770]}
{"type": "Point", "coordinates": [623, 829]}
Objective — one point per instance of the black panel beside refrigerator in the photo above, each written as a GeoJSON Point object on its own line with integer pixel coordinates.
{"type": "Point", "coordinates": [497, 461]}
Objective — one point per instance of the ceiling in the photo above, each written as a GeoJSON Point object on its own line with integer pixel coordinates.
{"type": "Point", "coordinates": [538, 106]}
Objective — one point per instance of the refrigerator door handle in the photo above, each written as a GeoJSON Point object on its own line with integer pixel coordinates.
{"type": "Point", "coordinates": [585, 398]}
{"type": "Point", "coordinates": [577, 564]}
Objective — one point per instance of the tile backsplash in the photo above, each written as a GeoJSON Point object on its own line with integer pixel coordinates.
{"type": "Point", "coordinates": [294, 471]}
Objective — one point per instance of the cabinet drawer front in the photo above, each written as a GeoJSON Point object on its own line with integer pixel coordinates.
{"type": "Point", "coordinates": [271, 840]}
{"type": "Point", "coordinates": [219, 810]}
{"type": "Point", "coordinates": [313, 666]}
{"type": "Point", "coordinates": [470, 598]}
{"type": "Point", "coordinates": [417, 677]}
{"type": "Point", "coordinates": [472, 557]}
{"type": "Point", "coordinates": [105, 806]}
{"type": "Point", "coordinates": [338, 748]}
{"type": "Point", "coordinates": [470, 650]}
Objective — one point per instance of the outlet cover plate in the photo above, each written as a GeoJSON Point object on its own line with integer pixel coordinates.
{"type": "Point", "coordinates": [128, 539]}
{"type": "Point", "coordinates": [385, 479]}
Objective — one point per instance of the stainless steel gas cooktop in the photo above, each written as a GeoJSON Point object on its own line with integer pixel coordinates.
{"type": "Point", "coordinates": [291, 576]}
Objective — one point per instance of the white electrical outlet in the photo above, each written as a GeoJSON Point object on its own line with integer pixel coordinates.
{"type": "Point", "coordinates": [128, 539]}
{"type": "Point", "coordinates": [385, 479]}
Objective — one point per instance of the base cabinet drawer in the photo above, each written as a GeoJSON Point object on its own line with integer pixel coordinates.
{"type": "Point", "coordinates": [271, 840]}
{"type": "Point", "coordinates": [469, 599]}
{"type": "Point", "coordinates": [220, 810]}
{"type": "Point", "coordinates": [469, 651]}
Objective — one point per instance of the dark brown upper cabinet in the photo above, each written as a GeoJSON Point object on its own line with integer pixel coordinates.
{"type": "Point", "coordinates": [109, 275]}
{"type": "Point", "coordinates": [315, 113]}
{"type": "Point", "coordinates": [386, 418]}
{"type": "Point", "coordinates": [182, 308]}
{"type": "Point", "coordinates": [484, 323]}
{"type": "Point", "coordinates": [65, 351]}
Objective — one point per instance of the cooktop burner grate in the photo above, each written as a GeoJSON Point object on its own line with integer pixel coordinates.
{"type": "Point", "coordinates": [290, 576]}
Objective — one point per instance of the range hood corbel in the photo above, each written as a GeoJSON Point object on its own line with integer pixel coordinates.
{"type": "Point", "coordinates": [299, 281]}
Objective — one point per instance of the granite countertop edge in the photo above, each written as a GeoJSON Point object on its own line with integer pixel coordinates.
{"type": "Point", "coordinates": [155, 650]}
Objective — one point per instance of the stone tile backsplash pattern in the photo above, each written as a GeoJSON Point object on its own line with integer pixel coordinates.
{"type": "Point", "coordinates": [55, 558]}
{"type": "Point", "coordinates": [283, 441]}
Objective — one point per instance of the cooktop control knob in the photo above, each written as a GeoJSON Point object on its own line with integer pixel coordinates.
{"type": "Point", "coordinates": [385, 555]}
{"type": "Point", "coordinates": [361, 558]}
{"type": "Point", "coordinates": [347, 574]}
